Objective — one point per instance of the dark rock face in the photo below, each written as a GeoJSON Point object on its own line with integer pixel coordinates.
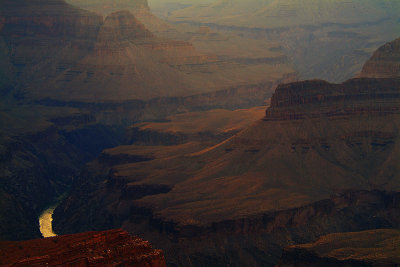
{"type": "Point", "coordinates": [385, 62]}
{"type": "Point", "coordinates": [108, 248]}
{"type": "Point", "coordinates": [366, 248]}
{"type": "Point", "coordinates": [41, 38]}
{"type": "Point", "coordinates": [39, 167]}
{"type": "Point", "coordinates": [303, 258]}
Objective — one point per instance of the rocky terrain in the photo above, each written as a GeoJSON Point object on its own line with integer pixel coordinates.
{"type": "Point", "coordinates": [119, 59]}
{"type": "Point", "coordinates": [278, 182]}
{"type": "Point", "coordinates": [328, 40]}
{"type": "Point", "coordinates": [76, 86]}
{"type": "Point", "coordinates": [72, 81]}
{"type": "Point", "coordinates": [108, 248]}
{"type": "Point", "coordinates": [211, 126]}
{"type": "Point", "coordinates": [367, 248]}
{"type": "Point", "coordinates": [384, 62]}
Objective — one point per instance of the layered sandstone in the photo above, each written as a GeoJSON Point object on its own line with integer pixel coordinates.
{"type": "Point", "coordinates": [60, 52]}
{"type": "Point", "coordinates": [313, 99]}
{"type": "Point", "coordinates": [325, 39]}
{"type": "Point", "coordinates": [385, 62]}
{"type": "Point", "coordinates": [108, 248]}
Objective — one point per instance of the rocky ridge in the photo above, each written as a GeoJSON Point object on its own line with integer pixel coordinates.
{"type": "Point", "coordinates": [385, 62]}
{"type": "Point", "coordinates": [108, 248]}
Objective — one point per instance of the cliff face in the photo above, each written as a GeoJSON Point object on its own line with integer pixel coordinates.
{"type": "Point", "coordinates": [43, 37]}
{"type": "Point", "coordinates": [385, 62]}
{"type": "Point", "coordinates": [108, 248]}
{"type": "Point", "coordinates": [311, 99]}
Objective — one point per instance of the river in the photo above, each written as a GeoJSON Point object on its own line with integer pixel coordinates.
{"type": "Point", "coordinates": [46, 222]}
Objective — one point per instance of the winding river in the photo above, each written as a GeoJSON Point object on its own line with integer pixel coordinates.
{"type": "Point", "coordinates": [46, 222]}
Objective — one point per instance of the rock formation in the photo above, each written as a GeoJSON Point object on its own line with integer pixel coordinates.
{"type": "Point", "coordinates": [106, 7]}
{"type": "Point", "coordinates": [328, 40]}
{"type": "Point", "coordinates": [70, 82]}
{"type": "Point", "coordinates": [108, 248]}
{"type": "Point", "coordinates": [350, 139]}
{"type": "Point", "coordinates": [385, 63]}
{"type": "Point", "coordinates": [212, 126]}
{"type": "Point", "coordinates": [367, 248]}
{"type": "Point", "coordinates": [317, 140]}
{"type": "Point", "coordinates": [69, 54]}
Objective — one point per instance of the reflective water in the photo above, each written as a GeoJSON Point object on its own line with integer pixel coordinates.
{"type": "Point", "coordinates": [46, 222]}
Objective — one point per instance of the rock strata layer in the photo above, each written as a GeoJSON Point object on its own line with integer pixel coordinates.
{"type": "Point", "coordinates": [108, 248]}
{"type": "Point", "coordinates": [385, 62]}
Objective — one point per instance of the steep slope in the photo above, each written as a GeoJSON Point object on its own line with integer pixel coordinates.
{"type": "Point", "coordinates": [108, 248]}
{"type": "Point", "coordinates": [385, 62]}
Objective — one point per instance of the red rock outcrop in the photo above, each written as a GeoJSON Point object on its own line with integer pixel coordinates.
{"type": "Point", "coordinates": [108, 248]}
{"type": "Point", "coordinates": [384, 63]}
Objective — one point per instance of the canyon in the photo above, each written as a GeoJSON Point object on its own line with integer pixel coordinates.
{"type": "Point", "coordinates": [322, 160]}
{"type": "Point", "coordinates": [192, 133]}
{"type": "Point", "coordinates": [72, 82]}
{"type": "Point", "coordinates": [329, 40]}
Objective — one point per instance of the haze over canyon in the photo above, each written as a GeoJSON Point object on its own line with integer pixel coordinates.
{"type": "Point", "coordinates": [223, 132]}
